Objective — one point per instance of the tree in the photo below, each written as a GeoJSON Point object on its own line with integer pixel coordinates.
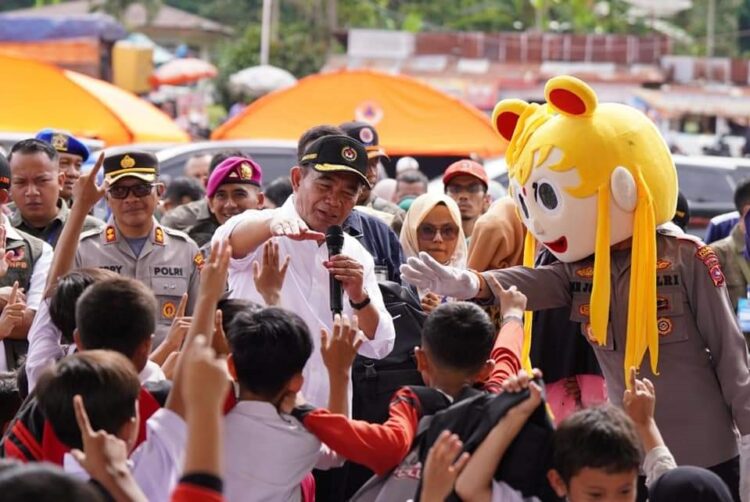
{"type": "Point", "coordinates": [118, 8]}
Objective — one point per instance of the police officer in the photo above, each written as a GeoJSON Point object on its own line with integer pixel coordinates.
{"type": "Point", "coordinates": [72, 154]}
{"type": "Point", "coordinates": [27, 261]}
{"type": "Point", "coordinates": [36, 183]}
{"type": "Point", "coordinates": [134, 244]}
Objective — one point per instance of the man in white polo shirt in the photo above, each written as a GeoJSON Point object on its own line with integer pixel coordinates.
{"type": "Point", "coordinates": [327, 184]}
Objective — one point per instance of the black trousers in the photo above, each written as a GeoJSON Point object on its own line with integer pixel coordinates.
{"type": "Point", "coordinates": [728, 471]}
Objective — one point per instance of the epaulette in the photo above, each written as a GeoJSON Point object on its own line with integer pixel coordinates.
{"type": "Point", "coordinates": [92, 232]}
{"type": "Point", "coordinates": [176, 233]}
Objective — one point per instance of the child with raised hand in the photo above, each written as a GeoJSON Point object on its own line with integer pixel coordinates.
{"type": "Point", "coordinates": [441, 468]}
{"type": "Point", "coordinates": [459, 350]}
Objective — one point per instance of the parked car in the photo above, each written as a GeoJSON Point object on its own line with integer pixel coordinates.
{"type": "Point", "coordinates": [276, 157]}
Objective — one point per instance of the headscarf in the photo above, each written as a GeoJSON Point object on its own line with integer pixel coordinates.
{"type": "Point", "coordinates": [688, 484]}
{"type": "Point", "coordinates": [498, 238]}
{"type": "Point", "coordinates": [418, 211]}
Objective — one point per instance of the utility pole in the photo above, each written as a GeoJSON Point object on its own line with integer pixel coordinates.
{"type": "Point", "coordinates": [710, 27]}
{"type": "Point", "coordinates": [265, 32]}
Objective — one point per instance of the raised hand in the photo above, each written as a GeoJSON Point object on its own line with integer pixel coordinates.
{"type": "Point", "coordinates": [443, 465]}
{"type": "Point", "coordinates": [180, 325]}
{"type": "Point", "coordinates": [206, 381]}
{"type": "Point", "coordinates": [86, 192]}
{"type": "Point", "coordinates": [339, 349]}
{"type": "Point", "coordinates": [639, 400]}
{"type": "Point", "coordinates": [214, 273]}
{"type": "Point", "coordinates": [512, 301]}
{"type": "Point", "coordinates": [424, 272]}
{"type": "Point", "coordinates": [293, 228]}
{"type": "Point", "coordinates": [269, 276]}
{"type": "Point", "coordinates": [5, 256]}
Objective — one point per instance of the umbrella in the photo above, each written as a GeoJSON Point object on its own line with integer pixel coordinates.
{"type": "Point", "coordinates": [412, 118]}
{"type": "Point", "coordinates": [42, 95]}
{"type": "Point", "coordinates": [259, 80]}
{"type": "Point", "coordinates": [182, 71]}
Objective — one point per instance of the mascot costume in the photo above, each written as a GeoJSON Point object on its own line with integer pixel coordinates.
{"type": "Point", "coordinates": [592, 182]}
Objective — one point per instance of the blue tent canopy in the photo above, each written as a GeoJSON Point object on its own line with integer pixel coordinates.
{"type": "Point", "coordinates": [29, 28]}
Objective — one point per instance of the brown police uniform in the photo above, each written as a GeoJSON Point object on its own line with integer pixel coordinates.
{"type": "Point", "coordinates": [169, 264]}
{"type": "Point", "coordinates": [703, 386]}
{"type": "Point", "coordinates": [187, 215]}
{"type": "Point", "coordinates": [733, 263]}
{"type": "Point", "coordinates": [51, 232]}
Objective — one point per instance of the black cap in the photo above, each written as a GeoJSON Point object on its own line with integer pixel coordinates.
{"type": "Point", "coordinates": [337, 154]}
{"type": "Point", "coordinates": [4, 173]}
{"type": "Point", "coordinates": [365, 134]}
{"type": "Point", "coordinates": [141, 165]}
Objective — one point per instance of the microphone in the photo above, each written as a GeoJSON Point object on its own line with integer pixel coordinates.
{"type": "Point", "coordinates": [334, 242]}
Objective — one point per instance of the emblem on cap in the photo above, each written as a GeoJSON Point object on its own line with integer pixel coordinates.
{"type": "Point", "coordinates": [349, 154]}
{"type": "Point", "coordinates": [127, 162]}
{"type": "Point", "coordinates": [246, 172]}
{"type": "Point", "coordinates": [59, 142]}
{"type": "Point", "coordinates": [366, 135]}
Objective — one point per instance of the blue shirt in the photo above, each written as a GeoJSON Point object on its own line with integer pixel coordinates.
{"type": "Point", "coordinates": [377, 238]}
{"type": "Point", "coordinates": [721, 226]}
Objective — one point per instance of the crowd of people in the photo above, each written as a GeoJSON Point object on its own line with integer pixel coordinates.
{"type": "Point", "coordinates": [341, 335]}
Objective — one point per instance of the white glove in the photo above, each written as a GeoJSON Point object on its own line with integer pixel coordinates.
{"type": "Point", "coordinates": [426, 273]}
{"type": "Point", "coordinates": [745, 468]}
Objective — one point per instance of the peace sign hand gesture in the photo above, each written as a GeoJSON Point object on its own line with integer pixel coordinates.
{"type": "Point", "coordinates": [86, 191]}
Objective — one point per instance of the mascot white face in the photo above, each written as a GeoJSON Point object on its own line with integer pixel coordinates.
{"type": "Point", "coordinates": [563, 223]}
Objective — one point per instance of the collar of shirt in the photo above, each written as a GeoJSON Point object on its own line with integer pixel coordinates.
{"type": "Point", "coordinates": [262, 410]}
{"type": "Point", "coordinates": [158, 236]}
{"type": "Point", "coordinates": [16, 218]}
{"type": "Point", "coordinates": [353, 225]}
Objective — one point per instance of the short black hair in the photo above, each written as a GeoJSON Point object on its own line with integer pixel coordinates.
{"type": "Point", "coordinates": [182, 187]}
{"type": "Point", "coordinates": [412, 176]}
{"type": "Point", "coordinates": [268, 348]}
{"type": "Point", "coordinates": [220, 157]}
{"type": "Point", "coordinates": [10, 397]}
{"type": "Point", "coordinates": [459, 336]}
{"type": "Point", "coordinates": [279, 190]}
{"type": "Point", "coordinates": [314, 133]}
{"type": "Point", "coordinates": [108, 384]}
{"type": "Point", "coordinates": [742, 194]}
{"type": "Point", "coordinates": [31, 146]}
{"type": "Point", "coordinates": [62, 304]}
{"type": "Point", "coordinates": [230, 307]}
{"type": "Point", "coordinates": [45, 483]}
{"type": "Point", "coordinates": [603, 437]}
{"type": "Point", "coordinates": [116, 314]}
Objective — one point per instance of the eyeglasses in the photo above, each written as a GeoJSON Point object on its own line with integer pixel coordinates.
{"type": "Point", "coordinates": [472, 189]}
{"type": "Point", "coordinates": [121, 192]}
{"type": "Point", "coordinates": [429, 232]}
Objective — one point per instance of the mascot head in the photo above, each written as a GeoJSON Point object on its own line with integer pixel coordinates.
{"type": "Point", "coordinates": [585, 176]}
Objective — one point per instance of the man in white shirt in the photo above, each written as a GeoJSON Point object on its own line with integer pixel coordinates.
{"type": "Point", "coordinates": [327, 185]}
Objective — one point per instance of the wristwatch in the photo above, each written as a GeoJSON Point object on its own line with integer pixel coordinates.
{"type": "Point", "coordinates": [359, 306]}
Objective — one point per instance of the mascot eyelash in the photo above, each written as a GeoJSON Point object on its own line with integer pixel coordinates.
{"type": "Point", "coordinates": [618, 152]}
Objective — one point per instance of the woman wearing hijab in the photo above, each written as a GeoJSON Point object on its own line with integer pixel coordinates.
{"type": "Point", "coordinates": [688, 484]}
{"type": "Point", "coordinates": [433, 226]}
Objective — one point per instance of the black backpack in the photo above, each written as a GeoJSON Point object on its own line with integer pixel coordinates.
{"type": "Point", "coordinates": [374, 381]}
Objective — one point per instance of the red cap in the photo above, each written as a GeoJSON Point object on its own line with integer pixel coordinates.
{"type": "Point", "coordinates": [466, 167]}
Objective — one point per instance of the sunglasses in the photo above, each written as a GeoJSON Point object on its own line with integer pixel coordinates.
{"type": "Point", "coordinates": [121, 192]}
{"type": "Point", "coordinates": [429, 232]}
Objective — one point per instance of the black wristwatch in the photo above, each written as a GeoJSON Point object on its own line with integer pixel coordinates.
{"type": "Point", "coordinates": [359, 306]}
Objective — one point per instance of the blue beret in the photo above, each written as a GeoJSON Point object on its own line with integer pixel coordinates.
{"type": "Point", "coordinates": [64, 143]}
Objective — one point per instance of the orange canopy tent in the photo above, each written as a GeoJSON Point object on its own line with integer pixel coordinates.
{"type": "Point", "coordinates": [411, 117]}
{"type": "Point", "coordinates": [35, 95]}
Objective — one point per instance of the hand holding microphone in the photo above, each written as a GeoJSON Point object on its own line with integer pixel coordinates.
{"type": "Point", "coordinates": [346, 272]}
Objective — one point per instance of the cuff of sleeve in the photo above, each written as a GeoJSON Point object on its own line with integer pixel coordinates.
{"type": "Point", "coordinates": [654, 456]}
{"type": "Point", "coordinates": [204, 480]}
{"type": "Point", "coordinates": [300, 412]}
{"type": "Point", "coordinates": [483, 284]}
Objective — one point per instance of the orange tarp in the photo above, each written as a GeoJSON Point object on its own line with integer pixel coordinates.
{"type": "Point", "coordinates": [411, 117]}
{"type": "Point", "coordinates": [35, 95]}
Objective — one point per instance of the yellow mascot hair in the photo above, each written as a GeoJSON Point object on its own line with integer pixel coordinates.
{"type": "Point", "coordinates": [595, 138]}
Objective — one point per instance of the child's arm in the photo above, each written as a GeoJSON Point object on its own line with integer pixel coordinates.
{"type": "Point", "coordinates": [204, 390]}
{"type": "Point", "coordinates": [509, 342]}
{"type": "Point", "coordinates": [639, 402]}
{"type": "Point", "coordinates": [86, 193]}
{"type": "Point", "coordinates": [443, 464]}
{"type": "Point", "coordinates": [44, 344]}
{"type": "Point", "coordinates": [379, 447]}
{"type": "Point", "coordinates": [338, 352]}
{"type": "Point", "coordinates": [177, 331]}
{"type": "Point", "coordinates": [105, 459]}
{"type": "Point", "coordinates": [475, 482]}
{"type": "Point", "coordinates": [212, 284]}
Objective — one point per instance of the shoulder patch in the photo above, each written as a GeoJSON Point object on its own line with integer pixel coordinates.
{"type": "Point", "coordinates": [199, 261]}
{"type": "Point", "coordinates": [707, 255]}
